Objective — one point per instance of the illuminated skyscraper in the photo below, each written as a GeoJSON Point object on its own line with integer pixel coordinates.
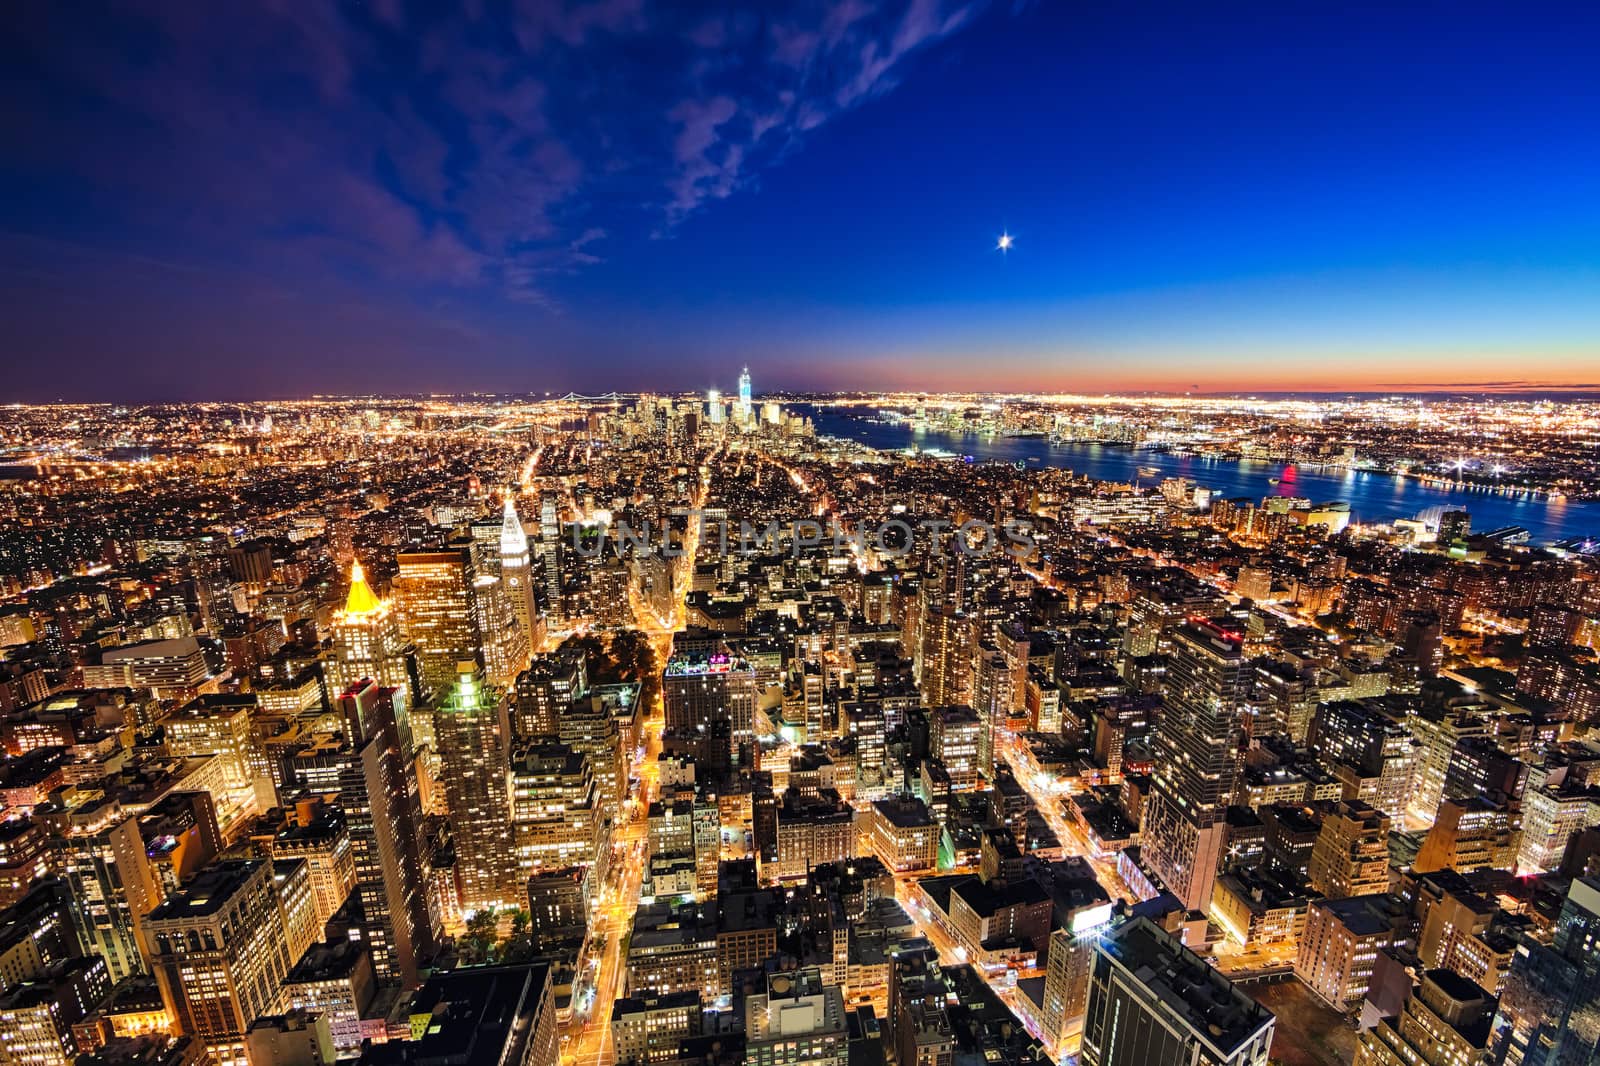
{"type": "Point", "coordinates": [367, 641]}
{"type": "Point", "coordinates": [712, 699]}
{"type": "Point", "coordinates": [1550, 1007]}
{"type": "Point", "coordinates": [1196, 757]}
{"type": "Point", "coordinates": [746, 411]}
{"type": "Point", "coordinates": [379, 797]}
{"type": "Point", "coordinates": [555, 812]}
{"type": "Point", "coordinates": [473, 726]}
{"type": "Point", "coordinates": [516, 571]}
{"type": "Point", "coordinates": [948, 646]}
{"type": "Point", "coordinates": [504, 641]}
{"type": "Point", "coordinates": [714, 407]}
{"type": "Point", "coordinates": [109, 878]}
{"type": "Point", "coordinates": [550, 553]}
{"type": "Point", "coordinates": [993, 701]}
{"type": "Point", "coordinates": [438, 602]}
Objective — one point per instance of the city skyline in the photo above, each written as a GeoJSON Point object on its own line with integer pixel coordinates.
{"type": "Point", "coordinates": [1255, 200]}
{"type": "Point", "coordinates": [817, 533]}
{"type": "Point", "coordinates": [721, 729]}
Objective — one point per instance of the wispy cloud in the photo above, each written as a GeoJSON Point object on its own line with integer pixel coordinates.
{"type": "Point", "coordinates": [489, 146]}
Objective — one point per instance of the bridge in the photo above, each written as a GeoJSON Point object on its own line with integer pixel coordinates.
{"type": "Point", "coordinates": [610, 397]}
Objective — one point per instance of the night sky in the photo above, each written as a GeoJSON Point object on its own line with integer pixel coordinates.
{"type": "Point", "coordinates": [235, 200]}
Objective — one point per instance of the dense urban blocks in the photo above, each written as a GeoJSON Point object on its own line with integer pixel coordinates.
{"type": "Point", "coordinates": [314, 752]}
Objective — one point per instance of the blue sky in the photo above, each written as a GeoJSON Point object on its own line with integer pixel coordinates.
{"type": "Point", "coordinates": [285, 198]}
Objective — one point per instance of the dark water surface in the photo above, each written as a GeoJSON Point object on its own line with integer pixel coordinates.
{"type": "Point", "coordinates": [1372, 497]}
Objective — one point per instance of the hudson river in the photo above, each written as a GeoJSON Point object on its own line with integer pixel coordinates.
{"type": "Point", "coordinates": [1372, 497]}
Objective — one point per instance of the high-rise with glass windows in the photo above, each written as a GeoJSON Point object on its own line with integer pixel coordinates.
{"type": "Point", "coordinates": [437, 594]}
{"type": "Point", "coordinates": [1196, 759]}
{"type": "Point", "coordinates": [473, 728]}
{"type": "Point", "coordinates": [1550, 1006]}
{"type": "Point", "coordinates": [550, 554]}
{"type": "Point", "coordinates": [1153, 1002]}
{"type": "Point", "coordinates": [378, 794]}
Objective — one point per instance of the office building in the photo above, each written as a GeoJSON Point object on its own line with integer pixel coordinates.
{"type": "Point", "coordinates": [1549, 1011]}
{"type": "Point", "coordinates": [956, 740]}
{"type": "Point", "coordinates": [1196, 759]}
{"type": "Point", "coordinates": [298, 1038]}
{"type": "Point", "coordinates": [516, 573]}
{"type": "Point", "coordinates": [334, 980]}
{"type": "Point", "coordinates": [713, 696]}
{"type": "Point", "coordinates": [1153, 1002]}
{"type": "Point", "coordinates": [1469, 834]}
{"type": "Point", "coordinates": [949, 644]}
{"type": "Point", "coordinates": [746, 410]}
{"type": "Point", "coordinates": [546, 691]}
{"type": "Point", "coordinates": [1336, 955]}
{"type": "Point", "coordinates": [1445, 1022]}
{"type": "Point", "coordinates": [648, 1029]}
{"type": "Point", "coordinates": [812, 831]}
{"type": "Point", "coordinates": [555, 815]}
{"type": "Point", "coordinates": [901, 831]}
{"type": "Point", "coordinates": [436, 592]}
{"type": "Point", "coordinates": [799, 1020]}
{"type": "Point", "coordinates": [380, 803]}
{"type": "Point", "coordinates": [319, 835]}
{"type": "Point", "coordinates": [549, 553]}
{"type": "Point", "coordinates": [558, 908]}
{"type": "Point", "coordinates": [1351, 855]}
{"type": "Point", "coordinates": [473, 730]}
{"type": "Point", "coordinates": [38, 1015]}
{"type": "Point", "coordinates": [220, 950]}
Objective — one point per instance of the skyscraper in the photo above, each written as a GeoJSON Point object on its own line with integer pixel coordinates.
{"type": "Point", "coordinates": [378, 794]}
{"type": "Point", "coordinates": [555, 812]}
{"type": "Point", "coordinates": [1153, 1002]}
{"type": "Point", "coordinates": [1550, 1007]}
{"type": "Point", "coordinates": [550, 554]}
{"type": "Point", "coordinates": [993, 701]}
{"type": "Point", "coordinates": [1196, 757]}
{"type": "Point", "coordinates": [714, 407]}
{"type": "Point", "coordinates": [367, 641]}
{"type": "Point", "coordinates": [473, 728]}
{"type": "Point", "coordinates": [504, 642]}
{"type": "Point", "coordinates": [516, 571]}
{"type": "Point", "coordinates": [745, 408]}
{"type": "Point", "coordinates": [948, 645]}
{"type": "Point", "coordinates": [438, 602]}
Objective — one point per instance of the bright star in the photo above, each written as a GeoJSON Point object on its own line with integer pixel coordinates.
{"type": "Point", "coordinates": [1005, 242]}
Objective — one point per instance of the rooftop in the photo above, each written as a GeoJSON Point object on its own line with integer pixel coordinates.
{"type": "Point", "coordinates": [207, 892]}
{"type": "Point", "coordinates": [1186, 985]}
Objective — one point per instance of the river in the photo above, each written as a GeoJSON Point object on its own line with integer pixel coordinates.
{"type": "Point", "coordinates": [1372, 497]}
